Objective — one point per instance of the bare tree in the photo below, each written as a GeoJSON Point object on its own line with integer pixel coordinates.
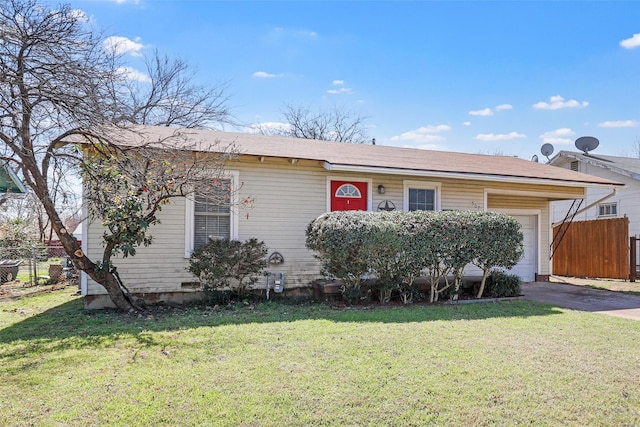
{"type": "Point", "coordinates": [635, 148]}
{"type": "Point", "coordinates": [64, 95]}
{"type": "Point", "coordinates": [334, 124]}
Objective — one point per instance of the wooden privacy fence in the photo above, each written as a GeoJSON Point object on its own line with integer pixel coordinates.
{"type": "Point", "coordinates": [598, 248]}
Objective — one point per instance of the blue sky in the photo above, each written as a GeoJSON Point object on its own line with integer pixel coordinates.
{"type": "Point", "coordinates": [477, 77]}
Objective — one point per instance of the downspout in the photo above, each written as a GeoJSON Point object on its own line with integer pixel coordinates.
{"type": "Point", "coordinates": [615, 191]}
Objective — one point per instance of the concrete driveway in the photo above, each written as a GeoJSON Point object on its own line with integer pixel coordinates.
{"type": "Point", "coordinates": [583, 298]}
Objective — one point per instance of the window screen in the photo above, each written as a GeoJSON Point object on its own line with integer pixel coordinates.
{"type": "Point", "coordinates": [212, 214]}
{"type": "Point", "coordinates": [421, 199]}
{"type": "Point", "coordinates": [608, 209]}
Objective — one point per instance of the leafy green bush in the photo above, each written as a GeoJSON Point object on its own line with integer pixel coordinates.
{"type": "Point", "coordinates": [228, 266]}
{"type": "Point", "coordinates": [500, 284]}
{"type": "Point", "coordinates": [398, 247]}
{"type": "Point", "coordinates": [341, 240]}
{"type": "Point", "coordinates": [454, 245]}
{"type": "Point", "coordinates": [499, 243]}
{"type": "Point", "coordinates": [400, 261]}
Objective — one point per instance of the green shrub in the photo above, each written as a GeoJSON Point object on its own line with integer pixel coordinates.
{"type": "Point", "coordinates": [500, 284]}
{"type": "Point", "coordinates": [341, 240]}
{"type": "Point", "coordinates": [499, 243]}
{"type": "Point", "coordinates": [397, 247]}
{"type": "Point", "coordinates": [395, 256]}
{"type": "Point", "coordinates": [351, 294]}
{"type": "Point", "coordinates": [226, 267]}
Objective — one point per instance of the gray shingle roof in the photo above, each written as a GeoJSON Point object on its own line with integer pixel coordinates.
{"type": "Point", "coordinates": [365, 157]}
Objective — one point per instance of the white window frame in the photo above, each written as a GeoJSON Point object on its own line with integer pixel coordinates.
{"type": "Point", "coordinates": [605, 206]}
{"type": "Point", "coordinates": [421, 185]}
{"type": "Point", "coordinates": [189, 232]}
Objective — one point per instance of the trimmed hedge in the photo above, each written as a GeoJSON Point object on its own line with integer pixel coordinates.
{"type": "Point", "coordinates": [228, 267]}
{"type": "Point", "coordinates": [398, 247]}
{"type": "Point", "coordinates": [501, 284]}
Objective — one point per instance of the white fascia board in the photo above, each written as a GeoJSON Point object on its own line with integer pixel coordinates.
{"type": "Point", "coordinates": [470, 176]}
{"type": "Point", "coordinates": [524, 193]}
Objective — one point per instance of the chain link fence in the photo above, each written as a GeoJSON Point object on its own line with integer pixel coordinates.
{"type": "Point", "coordinates": [35, 265]}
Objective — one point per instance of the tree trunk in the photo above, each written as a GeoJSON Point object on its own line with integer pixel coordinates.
{"type": "Point", "coordinates": [117, 295]}
{"type": "Point", "coordinates": [485, 273]}
{"type": "Point", "coordinates": [104, 277]}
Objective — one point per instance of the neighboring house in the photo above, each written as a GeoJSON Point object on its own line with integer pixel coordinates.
{"type": "Point", "coordinates": [292, 181]}
{"type": "Point", "coordinates": [603, 203]}
{"type": "Point", "coordinates": [9, 182]}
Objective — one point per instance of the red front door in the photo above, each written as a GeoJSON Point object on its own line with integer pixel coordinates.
{"type": "Point", "coordinates": [348, 196]}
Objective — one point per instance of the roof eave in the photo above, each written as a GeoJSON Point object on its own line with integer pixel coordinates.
{"type": "Point", "coordinates": [591, 161]}
{"type": "Point", "coordinates": [470, 176]}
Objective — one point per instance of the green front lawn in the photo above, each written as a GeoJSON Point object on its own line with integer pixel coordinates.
{"type": "Point", "coordinates": [507, 363]}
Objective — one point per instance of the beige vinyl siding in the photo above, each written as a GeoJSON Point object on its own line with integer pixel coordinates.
{"type": "Point", "coordinates": [156, 268]}
{"type": "Point", "coordinates": [284, 198]}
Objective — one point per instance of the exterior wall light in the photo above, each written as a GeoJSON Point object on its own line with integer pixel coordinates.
{"type": "Point", "coordinates": [381, 189]}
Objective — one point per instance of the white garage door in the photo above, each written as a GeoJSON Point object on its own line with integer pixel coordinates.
{"type": "Point", "coordinates": [526, 268]}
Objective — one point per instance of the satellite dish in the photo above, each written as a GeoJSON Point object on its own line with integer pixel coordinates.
{"type": "Point", "coordinates": [546, 150]}
{"type": "Point", "coordinates": [534, 159]}
{"type": "Point", "coordinates": [586, 144]}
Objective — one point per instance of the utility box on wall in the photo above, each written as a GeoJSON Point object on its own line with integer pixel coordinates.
{"type": "Point", "coordinates": [275, 282]}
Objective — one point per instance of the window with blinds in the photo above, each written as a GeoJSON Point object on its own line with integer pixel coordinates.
{"type": "Point", "coordinates": [212, 214]}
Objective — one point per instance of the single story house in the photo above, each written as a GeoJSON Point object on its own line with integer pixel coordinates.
{"type": "Point", "coordinates": [602, 203]}
{"type": "Point", "coordinates": [293, 181]}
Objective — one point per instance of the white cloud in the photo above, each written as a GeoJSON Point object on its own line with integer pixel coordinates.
{"type": "Point", "coordinates": [499, 136]}
{"type": "Point", "coordinates": [484, 112]}
{"type": "Point", "coordinates": [127, 1]}
{"type": "Point", "coordinates": [558, 136]}
{"type": "Point", "coordinates": [265, 75]}
{"type": "Point", "coordinates": [339, 91]}
{"type": "Point", "coordinates": [558, 102]}
{"type": "Point", "coordinates": [466, 123]}
{"type": "Point", "coordinates": [80, 15]}
{"type": "Point", "coordinates": [122, 45]}
{"type": "Point", "coordinates": [424, 134]}
{"type": "Point", "coordinates": [133, 74]}
{"type": "Point", "coordinates": [631, 42]}
{"type": "Point", "coordinates": [267, 127]}
{"type": "Point", "coordinates": [619, 124]}
{"type": "Point", "coordinates": [489, 112]}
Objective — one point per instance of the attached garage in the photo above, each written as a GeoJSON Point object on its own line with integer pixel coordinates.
{"type": "Point", "coordinates": [528, 266]}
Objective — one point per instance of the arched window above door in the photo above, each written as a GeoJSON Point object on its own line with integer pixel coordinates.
{"type": "Point", "coordinates": [348, 190]}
